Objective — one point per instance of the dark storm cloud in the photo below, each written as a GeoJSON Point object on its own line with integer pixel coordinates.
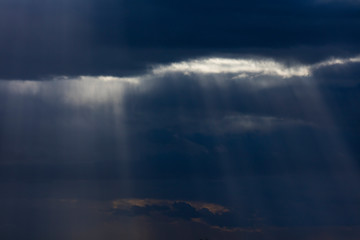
{"type": "Point", "coordinates": [246, 23]}
{"type": "Point", "coordinates": [231, 120]}
{"type": "Point", "coordinates": [47, 38]}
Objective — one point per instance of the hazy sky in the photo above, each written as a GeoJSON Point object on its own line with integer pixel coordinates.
{"type": "Point", "coordinates": [156, 120]}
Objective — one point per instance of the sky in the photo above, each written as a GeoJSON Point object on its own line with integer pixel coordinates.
{"type": "Point", "coordinates": [184, 120]}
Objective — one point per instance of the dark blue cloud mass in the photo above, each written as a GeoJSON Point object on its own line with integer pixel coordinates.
{"type": "Point", "coordinates": [179, 120]}
{"type": "Point", "coordinates": [46, 38]}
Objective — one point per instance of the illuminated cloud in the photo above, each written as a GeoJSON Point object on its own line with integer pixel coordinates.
{"type": "Point", "coordinates": [261, 73]}
{"type": "Point", "coordinates": [248, 68]}
{"type": "Point", "coordinates": [135, 202]}
{"type": "Point", "coordinates": [251, 74]}
{"type": "Point", "coordinates": [212, 215]}
{"type": "Point", "coordinates": [234, 66]}
{"type": "Point", "coordinates": [336, 61]}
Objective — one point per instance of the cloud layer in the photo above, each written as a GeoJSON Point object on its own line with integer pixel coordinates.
{"type": "Point", "coordinates": [154, 120]}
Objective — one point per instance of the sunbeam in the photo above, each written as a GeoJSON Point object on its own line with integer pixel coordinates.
{"type": "Point", "coordinates": [203, 147]}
